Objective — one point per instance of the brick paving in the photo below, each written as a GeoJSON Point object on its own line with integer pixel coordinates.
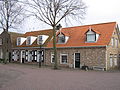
{"type": "Point", "coordinates": [25, 77]}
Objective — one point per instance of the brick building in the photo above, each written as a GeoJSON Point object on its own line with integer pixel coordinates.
{"type": "Point", "coordinates": [96, 46]}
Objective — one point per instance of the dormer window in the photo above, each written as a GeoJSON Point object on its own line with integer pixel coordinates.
{"type": "Point", "coordinates": [91, 36]}
{"type": "Point", "coordinates": [40, 39]}
{"type": "Point", "coordinates": [28, 41]}
{"type": "Point", "coordinates": [18, 41]}
{"type": "Point", "coordinates": [61, 38]}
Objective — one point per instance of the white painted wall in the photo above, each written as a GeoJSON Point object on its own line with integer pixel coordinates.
{"type": "Point", "coordinates": [97, 36]}
{"type": "Point", "coordinates": [66, 38]}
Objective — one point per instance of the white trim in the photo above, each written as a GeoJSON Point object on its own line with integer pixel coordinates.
{"type": "Point", "coordinates": [61, 58]}
{"type": "Point", "coordinates": [74, 58]}
{"type": "Point", "coordinates": [51, 58]}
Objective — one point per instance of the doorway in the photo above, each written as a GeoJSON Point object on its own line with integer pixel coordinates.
{"type": "Point", "coordinates": [77, 60]}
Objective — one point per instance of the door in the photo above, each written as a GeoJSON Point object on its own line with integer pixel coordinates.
{"type": "Point", "coordinates": [77, 60]}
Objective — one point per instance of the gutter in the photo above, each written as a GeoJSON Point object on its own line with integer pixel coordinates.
{"type": "Point", "coordinates": [59, 47]}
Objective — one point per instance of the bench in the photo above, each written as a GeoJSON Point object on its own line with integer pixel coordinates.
{"type": "Point", "coordinates": [98, 68]}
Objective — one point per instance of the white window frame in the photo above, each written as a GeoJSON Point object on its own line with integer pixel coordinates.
{"type": "Point", "coordinates": [61, 58]}
{"type": "Point", "coordinates": [115, 60]}
{"type": "Point", "coordinates": [52, 55]}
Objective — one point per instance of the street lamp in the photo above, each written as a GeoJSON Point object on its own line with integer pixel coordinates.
{"type": "Point", "coordinates": [58, 27]}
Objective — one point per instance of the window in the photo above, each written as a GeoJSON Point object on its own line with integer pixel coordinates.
{"type": "Point", "coordinates": [115, 60]}
{"type": "Point", "coordinates": [63, 58]}
{"type": "Point", "coordinates": [61, 38]}
{"type": "Point", "coordinates": [116, 43]}
{"type": "Point", "coordinates": [40, 40]}
{"type": "Point", "coordinates": [112, 42]}
{"type": "Point", "coordinates": [28, 42]}
{"type": "Point", "coordinates": [91, 38]}
{"type": "Point", "coordinates": [18, 41]}
{"type": "Point", "coordinates": [52, 58]}
{"type": "Point", "coordinates": [111, 60]}
{"type": "Point", "coordinates": [0, 41]}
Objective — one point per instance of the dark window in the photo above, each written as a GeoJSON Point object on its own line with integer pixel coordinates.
{"type": "Point", "coordinates": [40, 40]}
{"type": "Point", "coordinates": [28, 40]}
{"type": "Point", "coordinates": [64, 58]}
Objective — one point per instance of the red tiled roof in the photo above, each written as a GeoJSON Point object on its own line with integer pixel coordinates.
{"type": "Point", "coordinates": [77, 36]}
{"type": "Point", "coordinates": [36, 33]}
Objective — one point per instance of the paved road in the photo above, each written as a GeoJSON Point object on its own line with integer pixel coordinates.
{"type": "Point", "coordinates": [22, 77]}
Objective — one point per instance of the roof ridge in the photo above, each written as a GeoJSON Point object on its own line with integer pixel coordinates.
{"type": "Point", "coordinates": [90, 25]}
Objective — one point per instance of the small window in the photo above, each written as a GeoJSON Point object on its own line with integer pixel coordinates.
{"type": "Point", "coordinates": [63, 58]}
{"type": "Point", "coordinates": [40, 40]}
{"type": "Point", "coordinates": [18, 41]}
{"type": "Point", "coordinates": [91, 38]}
{"type": "Point", "coordinates": [115, 60]}
{"type": "Point", "coordinates": [52, 58]}
{"type": "Point", "coordinates": [28, 42]}
{"type": "Point", "coordinates": [61, 38]}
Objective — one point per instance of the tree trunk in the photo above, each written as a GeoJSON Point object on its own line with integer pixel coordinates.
{"type": "Point", "coordinates": [54, 48]}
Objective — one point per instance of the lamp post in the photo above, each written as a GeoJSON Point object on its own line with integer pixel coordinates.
{"type": "Point", "coordinates": [58, 27]}
{"type": "Point", "coordinates": [40, 60]}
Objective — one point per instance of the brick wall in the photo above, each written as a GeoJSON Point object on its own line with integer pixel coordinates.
{"type": "Point", "coordinates": [88, 56]}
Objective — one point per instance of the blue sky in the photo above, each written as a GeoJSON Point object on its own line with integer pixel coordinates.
{"type": "Point", "coordinates": [98, 11]}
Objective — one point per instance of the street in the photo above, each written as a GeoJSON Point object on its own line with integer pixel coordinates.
{"type": "Point", "coordinates": [28, 77]}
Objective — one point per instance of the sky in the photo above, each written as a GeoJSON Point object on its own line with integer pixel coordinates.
{"type": "Point", "coordinates": [98, 11]}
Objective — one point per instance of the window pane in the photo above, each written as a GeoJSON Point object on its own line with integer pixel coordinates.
{"type": "Point", "coordinates": [52, 58]}
{"type": "Point", "coordinates": [64, 59]}
{"type": "Point", "coordinates": [115, 61]}
{"type": "Point", "coordinates": [61, 38]}
{"type": "Point", "coordinates": [91, 37]}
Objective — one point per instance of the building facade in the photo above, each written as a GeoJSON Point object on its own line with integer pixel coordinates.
{"type": "Point", "coordinates": [96, 46]}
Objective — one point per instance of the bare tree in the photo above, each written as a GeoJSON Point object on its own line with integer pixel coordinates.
{"type": "Point", "coordinates": [52, 12]}
{"type": "Point", "coordinates": [11, 15]}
